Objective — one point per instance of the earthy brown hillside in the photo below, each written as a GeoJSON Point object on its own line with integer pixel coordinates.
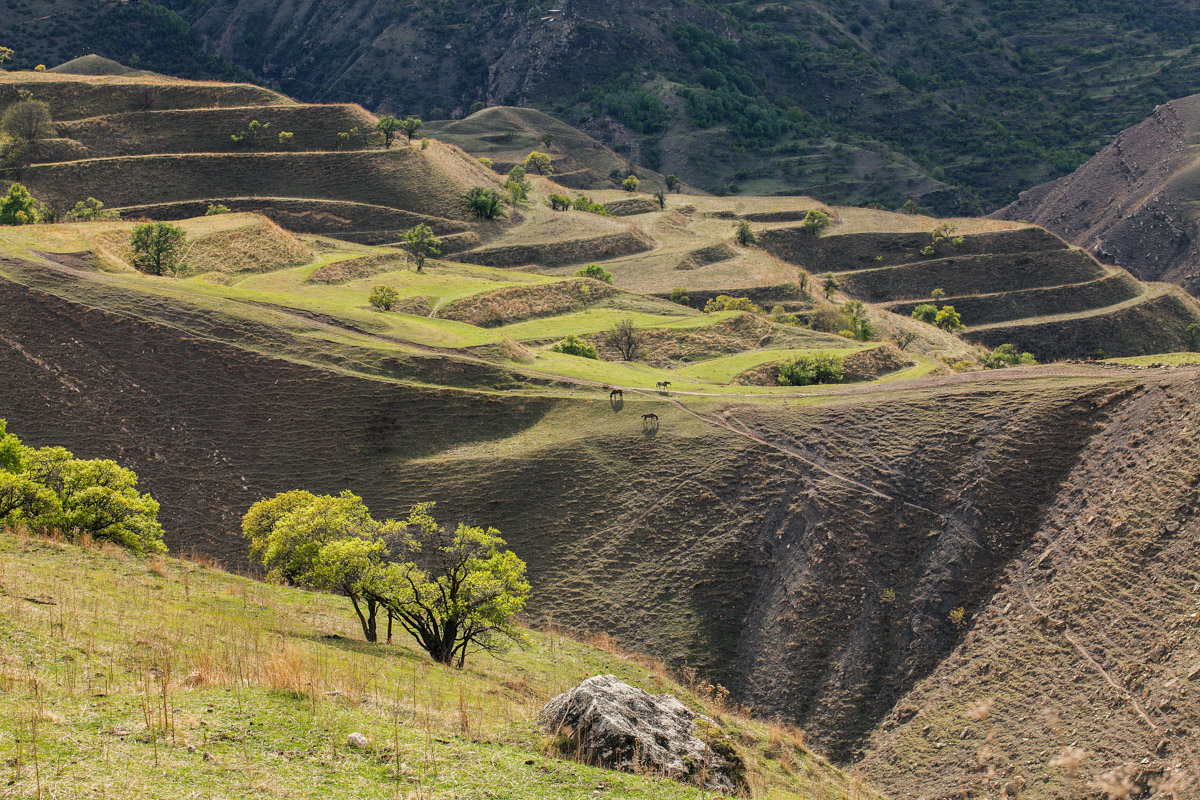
{"type": "Point", "coordinates": [1133, 203]}
{"type": "Point", "coordinates": [911, 561]}
{"type": "Point", "coordinates": [808, 556]}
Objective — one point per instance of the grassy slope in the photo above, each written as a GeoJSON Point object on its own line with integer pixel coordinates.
{"type": "Point", "coordinates": [259, 686]}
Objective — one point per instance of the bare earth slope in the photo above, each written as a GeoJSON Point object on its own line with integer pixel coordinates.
{"type": "Point", "coordinates": [757, 542]}
{"type": "Point", "coordinates": [1134, 202]}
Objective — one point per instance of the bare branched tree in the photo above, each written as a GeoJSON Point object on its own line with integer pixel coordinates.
{"type": "Point", "coordinates": [625, 338]}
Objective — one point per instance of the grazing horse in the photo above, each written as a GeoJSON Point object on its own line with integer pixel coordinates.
{"type": "Point", "coordinates": [649, 419]}
{"type": "Point", "coordinates": [663, 385]}
{"type": "Point", "coordinates": [616, 393]}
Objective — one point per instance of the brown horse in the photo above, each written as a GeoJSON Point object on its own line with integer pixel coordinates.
{"type": "Point", "coordinates": [663, 385]}
{"type": "Point", "coordinates": [616, 393]}
{"type": "Point", "coordinates": [649, 419]}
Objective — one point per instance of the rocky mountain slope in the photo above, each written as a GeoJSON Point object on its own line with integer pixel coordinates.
{"type": "Point", "coordinates": [956, 106]}
{"type": "Point", "coordinates": [1134, 202]}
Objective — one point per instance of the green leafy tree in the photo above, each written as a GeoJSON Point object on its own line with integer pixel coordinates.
{"type": "Point", "coordinates": [808, 370]}
{"type": "Point", "coordinates": [456, 591]}
{"type": "Point", "coordinates": [925, 312]}
{"type": "Point", "coordinates": [596, 272]}
{"type": "Point", "coordinates": [517, 184]}
{"type": "Point", "coordinates": [540, 162]}
{"type": "Point", "coordinates": [485, 161]}
{"type": "Point", "coordinates": [28, 120]}
{"type": "Point", "coordinates": [355, 568]}
{"type": "Point", "coordinates": [547, 139]}
{"type": "Point", "coordinates": [50, 488]}
{"type": "Point", "coordinates": [5, 54]}
{"type": "Point", "coordinates": [389, 126]}
{"type": "Point", "coordinates": [673, 183]}
{"type": "Point", "coordinates": [631, 183]}
{"type": "Point", "coordinates": [421, 242]}
{"type": "Point", "coordinates": [948, 319]}
{"type": "Point", "coordinates": [18, 207]}
{"type": "Point", "coordinates": [216, 208]}
{"type": "Point", "coordinates": [743, 233]}
{"type": "Point", "coordinates": [830, 286]}
{"type": "Point", "coordinates": [410, 125]}
{"type": "Point", "coordinates": [938, 295]}
{"type": "Point", "coordinates": [575, 346]}
{"type": "Point", "coordinates": [860, 325]}
{"type": "Point", "coordinates": [285, 139]}
{"type": "Point", "coordinates": [662, 201]}
{"type": "Point", "coordinates": [158, 248]}
{"type": "Point", "coordinates": [383, 297]}
{"type": "Point", "coordinates": [484, 203]}
{"type": "Point", "coordinates": [815, 222]}
{"type": "Point", "coordinates": [560, 202]}
{"type": "Point", "coordinates": [91, 210]}
{"type": "Point", "coordinates": [679, 295]}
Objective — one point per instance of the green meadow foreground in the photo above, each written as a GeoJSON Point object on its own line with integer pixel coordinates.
{"type": "Point", "coordinates": [129, 678]}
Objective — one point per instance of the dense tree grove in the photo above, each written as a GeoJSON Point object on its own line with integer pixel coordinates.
{"type": "Point", "coordinates": [48, 488]}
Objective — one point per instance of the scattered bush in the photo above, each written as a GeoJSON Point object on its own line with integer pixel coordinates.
{"type": "Point", "coordinates": [517, 185]}
{"type": "Point", "coordinates": [860, 327]}
{"type": "Point", "coordinates": [815, 221]}
{"type": "Point", "coordinates": [250, 137]}
{"type": "Point", "coordinates": [560, 202]}
{"type": "Point", "coordinates": [285, 139]}
{"type": "Point", "coordinates": [631, 183]}
{"type": "Point", "coordinates": [673, 184]}
{"type": "Point", "coordinates": [484, 203]}
{"type": "Point", "coordinates": [594, 271]}
{"type": "Point", "coordinates": [724, 302]}
{"type": "Point", "coordinates": [830, 286]}
{"type": "Point", "coordinates": [829, 319]}
{"type": "Point", "coordinates": [410, 125]}
{"type": "Point", "coordinates": [216, 208]}
{"type": "Point", "coordinates": [50, 488]}
{"type": "Point", "coordinates": [575, 346]}
{"type": "Point", "coordinates": [383, 297]}
{"type": "Point", "coordinates": [91, 210]}
{"type": "Point", "coordinates": [584, 203]}
{"type": "Point", "coordinates": [1006, 355]}
{"type": "Point", "coordinates": [743, 233]}
{"type": "Point", "coordinates": [158, 248]}
{"type": "Point", "coordinates": [679, 295]}
{"type": "Point", "coordinates": [1193, 334]}
{"type": "Point", "coordinates": [487, 162]}
{"type": "Point", "coordinates": [926, 312]}
{"type": "Point", "coordinates": [808, 370]}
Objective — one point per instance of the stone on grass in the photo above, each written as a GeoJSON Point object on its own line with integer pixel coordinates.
{"type": "Point", "coordinates": [608, 723]}
{"type": "Point", "coordinates": [358, 741]}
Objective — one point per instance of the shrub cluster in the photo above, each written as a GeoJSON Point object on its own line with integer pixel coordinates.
{"type": "Point", "coordinates": [575, 346]}
{"type": "Point", "coordinates": [48, 488]}
{"type": "Point", "coordinates": [808, 370]}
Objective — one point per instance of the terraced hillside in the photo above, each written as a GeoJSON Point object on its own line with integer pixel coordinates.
{"type": "Point", "coordinates": [1021, 286]}
{"type": "Point", "coordinates": [150, 145]}
{"type": "Point", "coordinates": [830, 553]}
{"type": "Point", "coordinates": [506, 135]}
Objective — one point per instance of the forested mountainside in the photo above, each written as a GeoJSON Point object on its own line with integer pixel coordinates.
{"type": "Point", "coordinates": [954, 105]}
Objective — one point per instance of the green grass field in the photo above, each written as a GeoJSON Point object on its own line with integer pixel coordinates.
{"type": "Point", "coordinates": [128, 678]}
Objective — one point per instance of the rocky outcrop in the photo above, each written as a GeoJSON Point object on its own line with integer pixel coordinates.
{"type": "Point", "coordinates": [609, 723]}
